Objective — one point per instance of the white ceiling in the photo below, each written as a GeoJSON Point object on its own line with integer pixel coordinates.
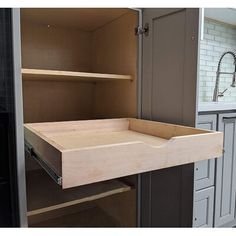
{"type": "Point", "coordinates": [226, 15]}
{"type": "Point", "coordinates": [87, 19]}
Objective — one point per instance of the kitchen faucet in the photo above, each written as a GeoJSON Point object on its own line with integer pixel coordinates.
{"type": "Point", "coordinates": [218, 73]}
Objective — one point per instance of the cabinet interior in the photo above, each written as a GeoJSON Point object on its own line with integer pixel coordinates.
{"type": "Point", "coordinates": [79, 64]}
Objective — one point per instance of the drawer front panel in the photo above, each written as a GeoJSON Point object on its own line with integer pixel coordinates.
{"type": "Point", "coordinates": [205, 170]}
{"type": "Point", "coordinates": [203, 208]}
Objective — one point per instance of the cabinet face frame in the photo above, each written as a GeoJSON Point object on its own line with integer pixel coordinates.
{"type": "Point", "coordinates": [139, 110]}
{"type": "Point", "coordinates": [20, 155]}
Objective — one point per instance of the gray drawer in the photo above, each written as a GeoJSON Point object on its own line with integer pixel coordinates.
{"type": "Point", "coordinates": [204, 174]}
{"type": "Point", "coordinates": [205, 170]}
{"type": "Point", "coordinates": [203, 208]}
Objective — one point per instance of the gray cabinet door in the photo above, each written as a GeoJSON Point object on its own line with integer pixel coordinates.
{"type": "Point", "coordinates": [169, 72]}
{"type": "Point", "coordinates": [226, 172]}
{"type": "Point", "coordinates": [203, 208]}
{"type": "Point", "coordinates": [168, 94]}
{"type": "Point", "coordinates": [204, 171]}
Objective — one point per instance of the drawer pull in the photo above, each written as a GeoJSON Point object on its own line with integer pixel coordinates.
{"type": "Point", "coordinates": [232, 118]}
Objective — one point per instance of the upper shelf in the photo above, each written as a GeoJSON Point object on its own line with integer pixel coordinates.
{"type": "Point", "coordinates": [56, 75]}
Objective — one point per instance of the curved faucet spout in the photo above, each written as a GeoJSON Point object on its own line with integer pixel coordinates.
{"type": "Point", "coordinates": [219, 72]}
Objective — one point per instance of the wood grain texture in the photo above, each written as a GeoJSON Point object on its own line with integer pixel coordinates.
{"type": "Point", "coordinates": [68, 49]}
{"type": "Point", "coordinates": [114, 49]}
{"type": "Point", "coordinates": [39, 201]}
{"type": "Point", "coordinates": [87, 19]}
{"type": "Point", "coordinates": [57, 101]}
{"type": "Point", "coordinates": [90, 161]}
{"type": "Point", "coordinates": [121, 207]}
{"type": "Point", "coordinates": [55, 48]}
{"type": "Point", "coordinates": [93, 217]}
{"type": "Point", "coordinates": [58, 75]}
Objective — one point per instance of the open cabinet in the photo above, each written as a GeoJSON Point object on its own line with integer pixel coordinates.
{"type": "Point", "coordinates": [83, 98]}
{"type": "Point", "coordinates": [78, 64]}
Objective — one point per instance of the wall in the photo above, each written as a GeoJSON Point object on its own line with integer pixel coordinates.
{"type": "Point", "coordinates": [218, 38]}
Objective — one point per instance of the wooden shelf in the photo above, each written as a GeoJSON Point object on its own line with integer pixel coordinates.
{"type": "Point", "coordinates": [84, 152]}
{"type": "Point", "coordinates": [93, 217]}
{"type": "Point", "coordinates": [56, 75]}
{"type": "Point", "coordinates": [43, 195]}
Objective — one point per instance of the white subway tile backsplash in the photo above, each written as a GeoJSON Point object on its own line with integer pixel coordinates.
{"type": "Point", "coordinates": [208, 25]}
{"type": "Point", "coordinates": [211, 63]}
{"type": "Point", "coordinates": [220, 28]}
{"type": "Point", "coordinates": [203, 52]}
{"type": "Point", "coordinates": [206, 58]}
{"type": "Point", "coordinates": [227, 35]}
{"type": "Point", "coordinates": [218, 38]}
{"type": "Point", "coordinates": [212, 53]}
{"type": "Point", "coordinates": [213, 32]}
{"type": "Point", "coordinates": [208, 36]}
{"type": "Point", "coordinates": [206, 46]}
{"type": "Point", "coordinates": [212, 42]}
{"type": "Point", "coordinates": [211, 73]}
{"type": "Point", "coordinates": [219, 49]}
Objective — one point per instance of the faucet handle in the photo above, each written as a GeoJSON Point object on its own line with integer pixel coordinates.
{"type": "Point", "coordinates": [234, 77]}
{"type": "Point", "coordinates": [221, 94]}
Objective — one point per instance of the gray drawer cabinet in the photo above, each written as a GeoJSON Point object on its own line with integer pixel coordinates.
{"type": "Point", "coordinates": [204, 170]}
{"type": "Point", "coordinates": [203, 208]}
{"type": "Point", "coordinates": [225, 198]}
{"type": "Point", "coordinates": [204, 179]}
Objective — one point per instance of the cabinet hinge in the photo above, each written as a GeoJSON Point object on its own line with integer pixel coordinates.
{"type": "Point", "coordinates": [142, 30]}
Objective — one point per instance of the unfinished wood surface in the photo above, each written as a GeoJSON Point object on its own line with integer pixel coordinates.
{"type": "Point", "coordinates": [77, 140]}
{"type": "Point", "coordinates": [93, 217]}
{"type": "Point", "coordinates": [87, 19]}
{"type": "Point", "coordinates": [122, 207]}
{"type": "Point", "coordinates": [50, 101]}
{"type": "Point", "coordinates": [81, 158]}
{"type": "Point", "coordinates": [114, 48]}
{"type": "Point", "coordinates": [43, 195]}
{"type": "Point", "coordinates": [62, 49]}
{"type": "Point", "coordinates": [56, 75]}
{"type": "Point", "coordinates": [55, 48]}
{"type": "Point", "coordinates": [34, 219]}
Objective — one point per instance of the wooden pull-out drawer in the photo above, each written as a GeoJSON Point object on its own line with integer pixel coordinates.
{"type": "Point", "coordinates": [84, 152]}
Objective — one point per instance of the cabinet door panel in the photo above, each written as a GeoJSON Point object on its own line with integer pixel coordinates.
{"type": "Point", "coordinates": [168, 94]}
{"type": "Point", "coordinates": [169, 78]}
{"type": "Point", "coordinates": [226, 172]}
{"type": "Point", "coordinates": [203, 208]}
{"type": "Point", "coordinates": [205, 170]}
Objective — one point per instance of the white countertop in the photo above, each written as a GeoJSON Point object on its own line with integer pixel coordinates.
{"type": "Point", "coordinates": [216, 106]}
